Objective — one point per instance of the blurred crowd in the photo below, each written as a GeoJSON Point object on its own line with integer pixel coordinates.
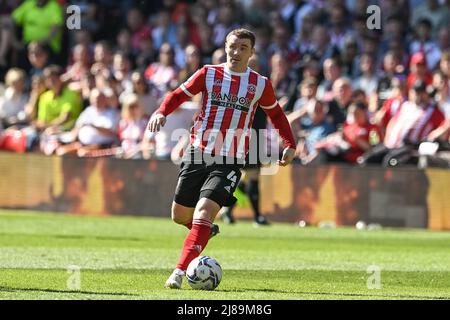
{"type": "Point", "coordinates": [352, 94]}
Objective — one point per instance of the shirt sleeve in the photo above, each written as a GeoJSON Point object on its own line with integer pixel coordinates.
{"type": "Point", "coordinates": [268, 99]}
{"type": "Point", "coordinates": [195, 84]}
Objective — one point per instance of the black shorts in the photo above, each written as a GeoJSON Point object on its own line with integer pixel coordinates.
{"type": "Point", "coordinates": [216, 182]}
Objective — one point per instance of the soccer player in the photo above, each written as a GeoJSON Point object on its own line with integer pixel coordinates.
{"type": "Point", "coordinates": [210, 170]}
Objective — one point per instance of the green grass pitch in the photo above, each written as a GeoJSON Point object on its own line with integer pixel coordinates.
{"type": "Point", "coordinates": [130, 258]}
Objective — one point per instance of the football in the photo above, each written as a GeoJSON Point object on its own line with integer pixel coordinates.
{"type": "Point", "coordinates": [204, 273]}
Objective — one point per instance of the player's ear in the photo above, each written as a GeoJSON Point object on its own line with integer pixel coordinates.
{"type": "Point", "coordinates": [253, 51]}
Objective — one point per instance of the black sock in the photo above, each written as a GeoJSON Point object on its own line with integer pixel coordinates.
{"type": "Point", "coordinates": [252, 191]}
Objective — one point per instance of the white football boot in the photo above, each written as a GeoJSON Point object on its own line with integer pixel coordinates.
{"type": "Point", "coordinates": [175, 280]}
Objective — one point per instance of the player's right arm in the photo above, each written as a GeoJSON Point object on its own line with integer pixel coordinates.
{"type": "Point", "coordinates": [192, 86]}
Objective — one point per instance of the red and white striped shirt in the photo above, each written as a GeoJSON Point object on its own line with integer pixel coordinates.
{"type": "Point", "coordinates": [413, 124]}
{"type": "Point", "coordinates": [223, 127]}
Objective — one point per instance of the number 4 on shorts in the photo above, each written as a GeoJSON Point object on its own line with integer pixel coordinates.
{"type": "Point", "coordinates": [232, 177]}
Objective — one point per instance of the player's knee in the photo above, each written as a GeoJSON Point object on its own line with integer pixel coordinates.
{"type": "Point", "coordinates": [178, 218]}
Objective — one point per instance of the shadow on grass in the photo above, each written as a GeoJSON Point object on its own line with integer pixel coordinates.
{"type": "Point", "coordinates": [9, 289]}
{"type": "Point", "coordinates": [343, 294]}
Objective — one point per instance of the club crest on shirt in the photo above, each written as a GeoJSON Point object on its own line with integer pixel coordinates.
{"type": "Point", "coordinates": [251, 88]}
{"type": "Point", "coordinates": [218, 83]}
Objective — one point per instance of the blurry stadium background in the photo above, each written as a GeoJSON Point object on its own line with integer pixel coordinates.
{"type": "Point", "coordinates": [348, 90]}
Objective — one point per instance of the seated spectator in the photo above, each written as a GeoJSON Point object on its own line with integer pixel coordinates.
{"type": "Point", "coordinates": [80, 67]}
{"type": "Point", "coordinates": [280, 76]}
{"type": "Point", "coordinates": [308, 91]}
{"type": "Point", "coordinates": [103, 57]}
{"type": "Point", "coordinates": [14, 99]}
{"type": "Point", "coordinates": [360, 134]}
{"type": "Point", "coordinates": [391, 68]}
{"type": "Point", "coordinates": [418, 70]}
{"type": "Point", "coordinates": [140, 30]}
{"type": "Point", "coordinates": [368, 81]}
{"type": "Point", "coordinates": [441, 92]}
{"type": "Point", "coordinates": [392, 106]}
{"type": "Point", "coordinates": [165, 30]}
{"type": "Point", "coordinates": [59, 107]}
{"type": "Point", "coordinates": [163, 74]}
{"type": "Point", "coordinates": [144, 91]}
{"type": "Point", "coordinates": [356, 138]}
{"type": "Point", "coordinates": [38, 56]}
{"type": "Point", "coordinates": [96, 128]}
{"type": "Point", "coordinates": [38, 87]}
{"type": "Point", "coordinates": [310, 128]}
{"type": "Point", "coordinates": [132, 127]}
{"type": "Point", "coordinates": [122, 69]}
{"type": "Point", "coordinates": [193, 63]}
{"type": "Point", "coordinates": [425, 44]}
{"type": "Point", "coordinates": [338, 106]}
{"type": "Point", "coordinates": [219, 56]}
{"type": "Point", "coordinates": [331, 72]}
{"type": "Point", "coordinates": [418, 117]}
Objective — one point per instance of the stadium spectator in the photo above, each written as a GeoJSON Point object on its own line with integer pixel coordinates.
{"type": "Point", "coordinates": [193, 63]}
{"type": "Point", "coordinates": [280, 76]}
{"type": "Point", "coordinates": [206, 45]}
{"type": "Point", "coordinates": [14, 99]}
{"type": "Point", "coordinates": [163, 74]}
{"type": "Point", "coordinates": [368, 81]}
{"type": "Point", "coordinates": [356, 138]}
{"type": "Point", "coordinates": [132, 127]}
{"type": "Point", "coordinates": [218, 56]}
{"type": "Point", "coordinates": [96, 128]}
{"type": "Point", "coordinates": [350, 58]}
{"type": "Point", "coordinates": [181, 45]}
{"type": "Point", "coordinates": [441, 92]}
{"type": "Point", "coordinates": [42, 21]}
{"type": "Point", "coordinates": [122, 69]}
{"type": "Point", "coordinates": [392, 105]}
{"type": "Point", "coordinates": [418, 70]}
{"type": "Point", "coordinates": [58, 107]}
{"type": "Point", "coordinates": [145, 93]}
{"type": "Point", "coordinates": [423, 43]}
{"type": "Point", "coordinates": [103, 58]}
{"type": "Point", "coordinates": [38, 56]}
{"type": "Point", "coordinates": [418, 117]}
{"type": "Point", "coordinates": [308, 91]}
{"type": "Point", "coordinates": [225, 23]}
{"type": "Point", "coordinates": [38, 87]}
{"type": "Point", "coordinates": [310, 128]}
{"type": "Point", "coordinates": [80, 67]}
{"type": "Point", "coordinates": [437, 14]}
{"type": "Point", "coordinates": [338, 106]}
{"type": "Point", "coordinates": [390, 69]}
{"type": "Point", "coordinates": [332, 71]}
{"type": "Point", "coordinates": [165, 30]}
{"type": "Point", "coordinates": [140, 30]}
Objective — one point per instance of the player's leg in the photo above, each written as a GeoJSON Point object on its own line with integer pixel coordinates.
{"type": "Point", "coordinates": [216, 192]}
{"type": "Point", "coordinates": [197, 239]}
{"type": "Point", "coordinates": [182, 215]}
{"type": "Point", "coordinates": [252, 190]}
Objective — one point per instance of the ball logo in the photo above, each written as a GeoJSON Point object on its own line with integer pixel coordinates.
{"type": "Point", "coordinates": [218, 83]}
{"type": "Point", "coordinates": [251, 88]}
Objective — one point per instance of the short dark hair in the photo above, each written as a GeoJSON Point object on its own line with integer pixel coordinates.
{"type": "Point", "coordinates": [243, 34]}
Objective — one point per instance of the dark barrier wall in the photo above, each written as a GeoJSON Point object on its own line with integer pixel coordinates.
{"type": "Point", "coordinates": [105, 186]}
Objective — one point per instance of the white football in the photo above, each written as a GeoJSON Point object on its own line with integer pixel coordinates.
{"type": "Point", "coordinates": [204, 273]}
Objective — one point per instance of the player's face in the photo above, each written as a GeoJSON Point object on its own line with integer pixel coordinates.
{"type": "Point", "coordinates": [238, 52]}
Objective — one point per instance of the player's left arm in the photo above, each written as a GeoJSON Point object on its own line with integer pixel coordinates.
{"type": "Point", "coordinates": [271, 107]}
